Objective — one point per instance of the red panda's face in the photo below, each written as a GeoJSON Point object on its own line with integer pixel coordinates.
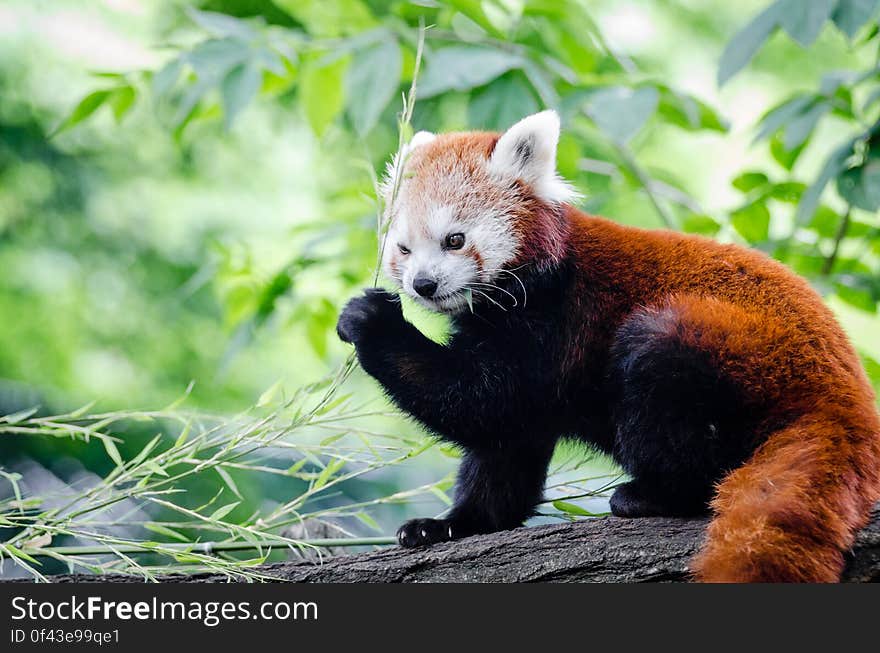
{"type": "Point", "coordinates": [461, 205]}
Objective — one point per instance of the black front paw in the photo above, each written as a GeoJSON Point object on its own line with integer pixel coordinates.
{"type": "Point", "coordinates": [376, 310]}
{"type": "Point", "coordinates": [423, 532]}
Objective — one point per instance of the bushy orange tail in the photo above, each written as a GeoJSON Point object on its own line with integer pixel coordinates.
{"type": "Point", "coordinates": [792, 511]}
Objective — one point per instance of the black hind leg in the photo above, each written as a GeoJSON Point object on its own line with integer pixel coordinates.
{"type": "Point", "coordinates": [634, 499]}
{"type": "Point", "coordinates": [680, 423]}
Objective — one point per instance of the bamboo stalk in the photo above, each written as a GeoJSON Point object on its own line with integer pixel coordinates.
{"type": "Point", "coordinates": [206, 547]}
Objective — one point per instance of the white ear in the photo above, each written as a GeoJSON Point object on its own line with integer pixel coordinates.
{"type": "Point", "coordinates": [527, 151]}
{"type": "Point", "coordinates": [420, 138]}
{"type": "Point", "coordinates": [398, 161]}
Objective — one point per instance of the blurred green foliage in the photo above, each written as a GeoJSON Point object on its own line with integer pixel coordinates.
{"type": "Point", "coordinates": [120, 270]}
{"type": "Point", "coordinates": [186, 187]}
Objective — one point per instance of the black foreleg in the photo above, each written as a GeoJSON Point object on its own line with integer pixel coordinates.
{"type": "Point", "coordinates": [496, 490]}
{"type": "Point", "coordinates": [466, 393]}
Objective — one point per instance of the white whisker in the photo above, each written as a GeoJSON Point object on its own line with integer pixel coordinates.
{"type": "Point", "coordinates": [487, 297]}
{"type": "Point", "coordinates": [515, 276]}
{"type": "Point", "coordinates": [494, 287]}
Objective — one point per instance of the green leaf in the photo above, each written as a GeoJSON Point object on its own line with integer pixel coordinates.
{"type": "Point", "coordinates": [222, 24]}
{"type": "Point", "coordinates": [789, 191]}
{"type": "Point", "coordinates": [687, 112]}
{"type": "Point", "coordinates": [542, 82]}
{"type": "Point", "coordinates": [473, 9]}
{"type": "Point", "coordinates": [86, 107]}
{"type": "Point", "coordinates": [138, 459]}
{"type": "Point", "coordinates": [860, 186]}
{"type": "Point", "coordinates": [295, 467]}
{"type": "Point", "coordinates": [321, 92]}
{"type": "Point", "coordinates": [502, 103]}
{"type": "Point", "coordinates": [752, 222]}
{"type": "Point", "coordinates": [239, 87]}
{"type": "Point", "coordinates": [372, 82]}
{"type": "Point", "coordinates": [214, 58]}
{"type": "Point", "coordinates": [326, 442]}
{"type": "Point", "coordinates": [834, 80]}
{"type": "Point", "coordinates": [850, 15]}
{"type": "Point", "coordinates": [784, 157]}
{"type": "Point", "coordinates": [856, 291]}
{"type": "Point", "coordinates": [269, 394]}
{"type": "Point", "coordinates": [18, 553]}
{"type": "Point", "coordinates": [825, 222]}
{"type": "Point", "coordinates": [745, 43]}
{"type": "Point", "coordinates": [872, 367]}
{"type": "Point", "coordinates": [167, 76]}
{"type": "Point", "coordinates": [572, 509]}
{"type": "Point", "coordinates": [222, 511]}
{"type": "Point", "coordinates": [834, 165]}
{"type": "Point", "coordinates": [227, 479]}
{"type": "Point", "coordinates": [369, 521]}
{"type": "Point", "coordinates": [783, 113]}
{"type": "Point", "coordinates": [799, 129]}
{"type": "Point", "coordinates": [749, 181]}
{"type": "Point", "coordinates": [329, 18]}
{"type": "Point", "coordinates": [188, 104]}
{"type": "Point", "coordinates": [121, 101]}
{"type": "Point", "coordinates": [338, 401]}
{"type": "Point", "coordinates": [19, 416]}
{"type": "Point", "coordinates": [700, 224]}
{"type": "Point", "coordinates": [871, 99]}
{"type": "Point", "coordinates": [327, 473]}
{"type": "Point", "coordinates": [620, 112]}
{"type": "Point", "coordinates": [316, 333]}
{"type": "Point", "coordinates": [184, 434]}
{"type": "Point", "coordinates": [154, 467]}
{"type": "Point", "coordinates": [112, 451]}
{"type": "Point", "coordinates": [869, 35]}
{"type": "Point", "coordinates": [463, 67]}
{"type": "Point", "coordinates": [803, 20]}
{"type": "Point", "coordinates": [164, 530]}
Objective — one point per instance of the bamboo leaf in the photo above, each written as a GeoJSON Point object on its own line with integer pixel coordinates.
{"type": "Point", "coordinates": [227, 479]}
{"type": "Point", "coordinates": [164, 530]}
{"type": "Point", "coordinates": [222, 511]}
{"type": "Point", "coordinates": [572, 509]}
{"type": "Point", "coordinates": [327, 473]}
{"type": "Point", "coordinates": [112, 451]}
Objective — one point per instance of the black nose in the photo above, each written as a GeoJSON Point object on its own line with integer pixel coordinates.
{"type": "Point", "coordinates": [424, 286]}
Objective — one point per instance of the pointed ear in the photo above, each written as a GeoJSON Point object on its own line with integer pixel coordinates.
{"type": "Point", "coordinates": [527, 151]}
{"type": "Point", "coordinates": [398, 161]}
{"type": "Point", "coordinates": [420, 138]}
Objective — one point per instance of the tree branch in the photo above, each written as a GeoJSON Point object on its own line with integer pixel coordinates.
{"type": "Point", "coordinates": [595, 550]}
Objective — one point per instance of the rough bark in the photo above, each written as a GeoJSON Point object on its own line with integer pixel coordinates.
{"type": "Point", "coordinates": [599, 550]}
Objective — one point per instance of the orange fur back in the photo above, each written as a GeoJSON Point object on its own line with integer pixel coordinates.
{"type": "Point", "coordinates": [791, 512]}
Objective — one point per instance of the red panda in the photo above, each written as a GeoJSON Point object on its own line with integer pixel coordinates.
{"type": "Point", "coordinates": [713, 375]}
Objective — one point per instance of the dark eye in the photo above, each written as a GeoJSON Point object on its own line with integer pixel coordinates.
{"type": "Point", "coordinates": [403, 249]}
{"type": "Point", "coordinates": [454, 241]}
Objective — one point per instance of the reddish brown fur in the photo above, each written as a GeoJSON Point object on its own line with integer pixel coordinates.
{"type": "Point", "coordinates": [791, 511]}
